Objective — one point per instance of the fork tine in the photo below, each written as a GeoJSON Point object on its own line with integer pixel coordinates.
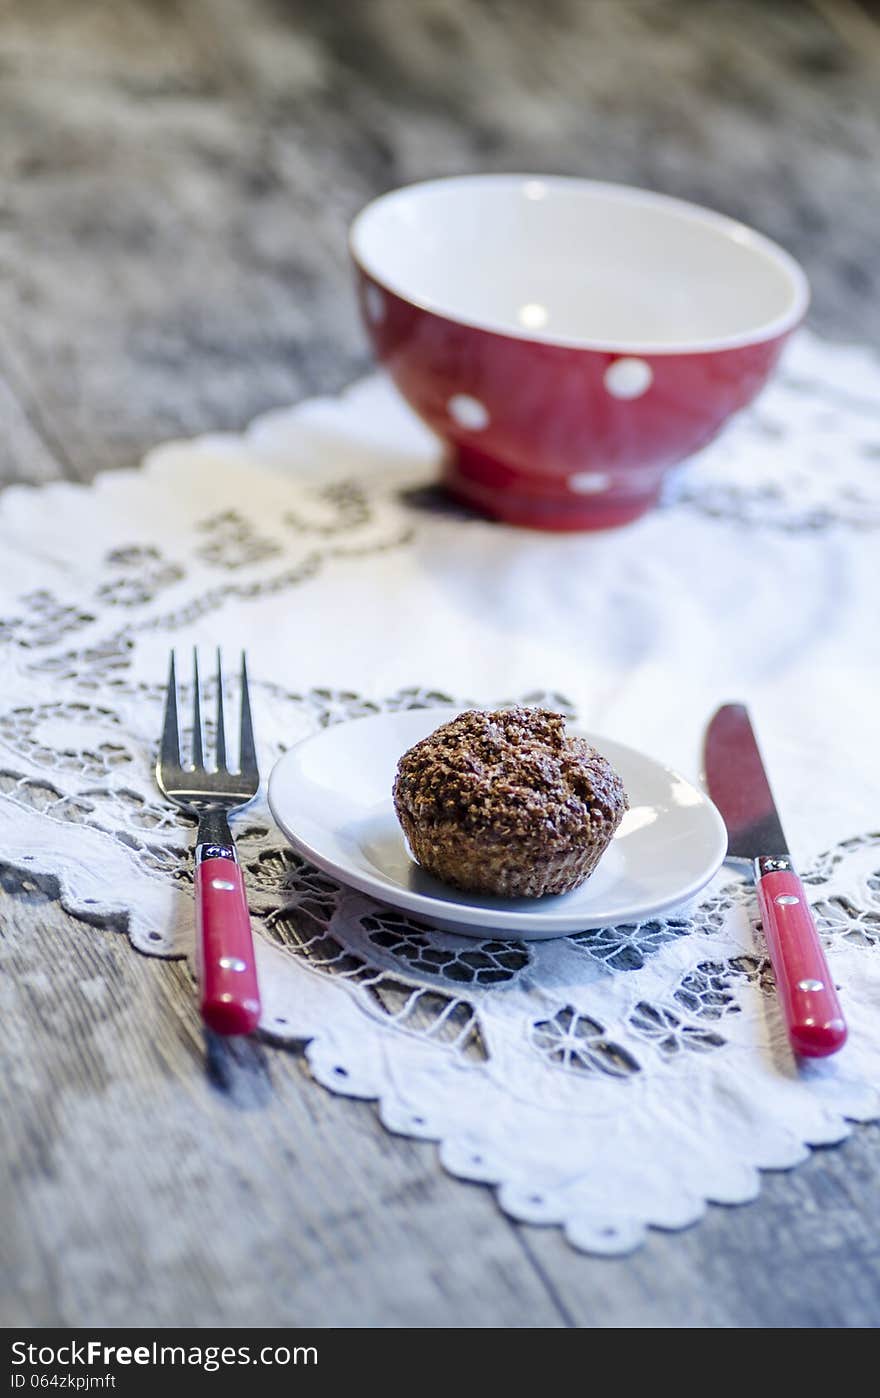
{"type": "Point", "coordinates": [247, 760]}
{"type": "Point", "coordinates": [221, 728]}
{"type": "Point", "coordinates": [169, 748]}
{"type": "Point", "coordinates": [198, 756]}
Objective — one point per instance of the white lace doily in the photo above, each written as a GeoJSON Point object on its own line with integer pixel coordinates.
{"type": "Point", "coordinates": [604, 1082]}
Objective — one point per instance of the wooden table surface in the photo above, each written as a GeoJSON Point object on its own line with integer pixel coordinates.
{"type": "Point", "coordinates": [177, 179]}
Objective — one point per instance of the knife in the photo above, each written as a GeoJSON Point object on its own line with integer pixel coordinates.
{"type": "Point", "coordinates": [739, 787]}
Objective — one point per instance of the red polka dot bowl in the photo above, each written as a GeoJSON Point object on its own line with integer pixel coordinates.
{"type": "Point", "coordinates": [569, 340]}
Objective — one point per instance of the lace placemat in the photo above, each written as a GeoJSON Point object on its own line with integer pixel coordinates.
{"type": "Point", "coordinates": [604, 1082]}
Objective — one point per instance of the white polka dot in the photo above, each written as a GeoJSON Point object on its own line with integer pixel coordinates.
{"type": "Point", "coordinates": [628, 378]}
{"type": "Point", "coordinates": [468, 412]}
{"type": "Point", "coordinates": [589, 482]}
{"type": "Point", "coordinates": [375, 304]}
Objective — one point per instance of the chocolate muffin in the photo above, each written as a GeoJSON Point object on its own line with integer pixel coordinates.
{"type": "Point", "coordinates": [506, 802]}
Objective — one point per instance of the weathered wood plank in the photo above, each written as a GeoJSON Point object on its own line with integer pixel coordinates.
{"type": "Point", "coordinates": [766, 1264]}
{"type": "Point", "coordinates": [155, 1184]}
{"type": "Point", "coordinates": [179, 178]}
{"type": "Point", "coordinates": [24, 455]}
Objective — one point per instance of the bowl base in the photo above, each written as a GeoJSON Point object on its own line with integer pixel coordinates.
{"type": "Point", "coordinates": [541, 502]}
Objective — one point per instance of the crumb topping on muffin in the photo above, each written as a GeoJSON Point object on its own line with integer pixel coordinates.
{"type": "Point", "coordinates": [513, 772]}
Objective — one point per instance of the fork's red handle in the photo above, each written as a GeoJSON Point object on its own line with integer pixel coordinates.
{"type": "Point", "coordinates": [225, 960]}
{"type": "Point", "coordinates": [810, 1006]}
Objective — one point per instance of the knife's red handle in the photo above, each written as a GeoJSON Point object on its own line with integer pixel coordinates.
{"type": "Point", "coordinates": [809, 1001]}
{"type": "Point", "coordinates": [225, 960]}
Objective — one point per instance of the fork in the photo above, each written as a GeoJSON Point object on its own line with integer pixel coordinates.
{"type": "Point", "coordinates": [225, 961]}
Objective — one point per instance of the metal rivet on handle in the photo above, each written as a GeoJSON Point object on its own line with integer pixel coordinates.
{"type": "Point", "coordinates": [786, 900]}
{"type": "Point", "coordinates": [811, 985]}
{"type": "Point", "coordinates": [233, 963]}
{"type": "Point", "coordinates": [230, 887]}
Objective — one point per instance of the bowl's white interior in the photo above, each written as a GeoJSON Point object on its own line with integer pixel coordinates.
{"type": "Point", "coordinates": [571, 261]}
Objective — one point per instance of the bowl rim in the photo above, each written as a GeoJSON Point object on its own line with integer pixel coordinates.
{"type": "Point", "coordinates": [697, 213]}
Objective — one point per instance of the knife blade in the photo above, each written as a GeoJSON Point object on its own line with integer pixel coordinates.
{"type": "Point", "coordinates": [738, 785]}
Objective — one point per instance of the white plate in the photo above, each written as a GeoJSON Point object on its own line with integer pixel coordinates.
{"type": "Point", "coordinates": [331, 795]}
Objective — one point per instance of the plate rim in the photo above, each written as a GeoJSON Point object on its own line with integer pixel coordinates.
{"type": "Point", "coordinates": [526, 923]}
